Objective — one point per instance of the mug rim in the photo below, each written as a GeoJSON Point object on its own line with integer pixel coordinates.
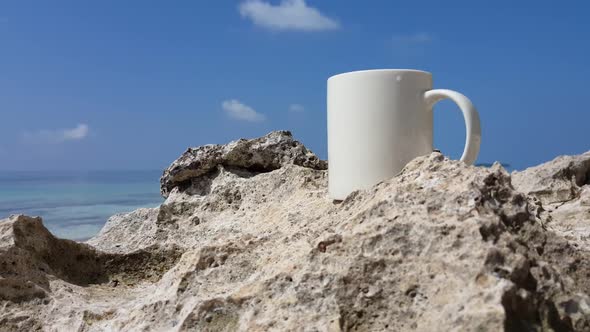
{"type": "Point", "coordinates": [367, 71]}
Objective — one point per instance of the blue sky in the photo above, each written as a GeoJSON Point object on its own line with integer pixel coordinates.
{"type": "Point", "coordinates": [131, 84]}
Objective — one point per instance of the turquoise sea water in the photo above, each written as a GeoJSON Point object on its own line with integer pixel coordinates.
{"type": "Point", "coordinates": [75, 205]}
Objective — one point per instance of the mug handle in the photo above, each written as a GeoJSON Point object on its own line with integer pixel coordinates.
{"type": "Point", "coordinates": [473, 136]}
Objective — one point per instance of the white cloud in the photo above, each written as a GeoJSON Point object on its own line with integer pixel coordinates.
{"type": "Point", "coordinates": [74, 134]}
{"type": "Point", "coordinates": [412, 39]}
{"type": "Point", "coordinates": [287, 15]}
{"type": "Point", "coordinates": [296, 108]}
{"type": "Point", "coordinates": [239, 111]}
{"type": "Point", "coordinates": [57, 136]}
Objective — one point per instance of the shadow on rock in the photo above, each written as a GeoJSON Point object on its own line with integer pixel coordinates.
{"type": "Point", "coordinates": [30, 254]}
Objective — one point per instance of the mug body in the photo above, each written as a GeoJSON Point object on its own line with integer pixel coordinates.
{"type": "Point", "coordinates": [378, 120]}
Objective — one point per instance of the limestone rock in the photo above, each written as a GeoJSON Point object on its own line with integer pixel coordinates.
{"type": "Point", "coordinates": [572, 219]}
{"type": "Point", "coordinates": [563, 186]}
{"type": "Point", "coordinates": [139, 231]}
{"type": "Point", "coordinates": [262, 154]}
{"type": "Point", "coordinates": [556, 181]}
{"type": "Point", "coordinates": [39, 274]}
{"type": "Point", "coordinates": [440, 247]}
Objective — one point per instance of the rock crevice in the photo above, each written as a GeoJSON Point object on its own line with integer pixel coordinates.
{"type": "Point", "coordinates": [36, 257]}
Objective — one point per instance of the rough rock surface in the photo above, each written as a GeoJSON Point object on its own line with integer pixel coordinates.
{"type": "Point", "coordinates": [572, 219]}
{"type": "Point", "coordinates": [440, 247]}
{"type": "Point", "coordinates": [563, 186]}
{"type": "Point", "coordinates": [557, 181]}
{"type": "Point", "coordinates": [263, 154]}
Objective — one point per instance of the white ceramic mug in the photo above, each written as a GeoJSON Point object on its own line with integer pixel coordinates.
{"type": "Point", "coordinates": [379, 120]}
